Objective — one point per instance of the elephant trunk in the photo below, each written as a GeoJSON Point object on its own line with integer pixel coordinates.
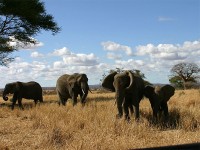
{"type": "Point", "coordinates": [5, 98]}
{"type": "Point", "coordinates": [119, 95]}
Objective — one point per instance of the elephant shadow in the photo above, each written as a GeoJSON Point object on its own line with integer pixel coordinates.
{"type": "Point", "coordinates": [173, 121]}
{"type": "Point", "coordinates": [29, 105]}
{"type": "Point", "coordinates": [25, 105]}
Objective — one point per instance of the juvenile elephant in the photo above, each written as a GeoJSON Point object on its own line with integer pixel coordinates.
{"type": "Point", "coordinates": [70, 86]}
{"type": "Point", "coordinates": [158, 97]}
{"type": "Point", "coordinates": [29, 90]}
{"type": "Point", "coordinates": [128, 90]}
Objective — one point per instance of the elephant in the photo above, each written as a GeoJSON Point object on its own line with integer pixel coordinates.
{"type": "Point", "coordinates": [158, 97]}
{"type": "Point", "coordinates": [128, 89]}
{"type": "Point", "coordinates": [70, 86]}
{"type": "Point", "coordinates": [29, 90]}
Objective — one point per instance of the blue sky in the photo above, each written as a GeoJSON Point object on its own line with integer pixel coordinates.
{"type": "Point", "coordinates": [99, 35]}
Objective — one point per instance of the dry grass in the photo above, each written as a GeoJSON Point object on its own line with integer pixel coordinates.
{"type": "Point", "coordinates": [94, 126]}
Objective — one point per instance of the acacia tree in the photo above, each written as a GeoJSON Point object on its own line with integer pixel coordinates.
{"type": "Point", "coordinates": [20, 20]}
{"type": "Point", "coordinates": [184, 73]}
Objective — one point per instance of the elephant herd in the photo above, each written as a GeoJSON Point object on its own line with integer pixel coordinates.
{"type": "Point", "coordinates": [129, 90]}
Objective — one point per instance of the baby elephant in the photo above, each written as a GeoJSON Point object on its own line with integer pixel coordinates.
{"type": "Point", "coordinates": [29, 90]}
{"type": "Point", "coordinates": [158, 98]}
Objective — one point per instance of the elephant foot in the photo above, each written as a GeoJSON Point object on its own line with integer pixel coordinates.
{"type": "Point", "coordinates": [83, 104]}
{"type": "Point", "coordinates": [127, 118]}
{"type": "Point", "coordinates": [118, 116]}
{"type": "Point", "coordinates": [74, 104]}
{"type": "Point", "coordinates": [12, 107]}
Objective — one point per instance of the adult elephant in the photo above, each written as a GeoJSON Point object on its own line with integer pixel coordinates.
{"type": "Point", "coordinates": [158, 97]}
{"type": "Point", "coordinates": [128, 90]}
{"type": "Point", "coordinates": [70, 86]}
{"type": "Point", "coordinates": [29, 90]}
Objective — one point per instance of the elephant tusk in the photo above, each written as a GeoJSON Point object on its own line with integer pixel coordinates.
{"type": "Point", "coordinates": [83, 91]}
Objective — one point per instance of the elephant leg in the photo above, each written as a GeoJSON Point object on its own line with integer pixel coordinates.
{"type": "Point", "coordinates": [62, 100]}
{"type": "Point", "coordinates": [136, 110]}
{"type": "Point", "coordinates": [20, 103]}
{"type": "Point", "coordinates": [74, 98]}
{"type": "Point", "coordinates": [131, 109]}
{"type": "Point", "coordinates": [74, 101]}
{"type": "Point", "coordinates": [155, 109]}
{"type": "Point", "coordinates": [35, 102]}
{"type": "Point", "coordinates": [130, 105]}
{"type": "Point", "coordinates": [82, 100]}
{"type": "Point", "coordinates": [165, 109]}
{"type": "Point", "coordinates": [155, 113]}
{"type": "Point", "coordinates": [13, 104]}
{"type": "Point", "coordinates": [126, 111]}
{"type": "Point", "coordinates": [119, 107]}
{"type": "Point", "coordinates": [14, 99]}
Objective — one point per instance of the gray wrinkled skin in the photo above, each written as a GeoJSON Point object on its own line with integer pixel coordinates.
{"type": "Point", "coordinates": [128, 90]}
{"type": "Point", "coordinates": [70, 86]}
{"type": "Point", "coordinates": [29, 90]}
{"type": "Point", "coordinates": [158, 97]}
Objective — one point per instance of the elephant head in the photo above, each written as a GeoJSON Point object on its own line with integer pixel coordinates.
{"type": "Point", "coordinates": [158, 97]}
{"type": "Point", "coordinates": [10, 88]}
{"type": "Point", "coordinates": [128, 90]}
{"type": "Point", "coordinates": [119, 83]}
{"type": "Point", "coordinates": [79, 85]}
{"type": "Point", "coordinates": [159, 93]}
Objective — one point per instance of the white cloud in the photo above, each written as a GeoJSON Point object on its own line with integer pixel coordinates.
{"type": "Point", "coordinates": [155, 61]}
{"type": "Point", "coordinates": [80, 59]}
{"type": "Point", "coordinates": [61, 52]}
{"type": "Point", "coordinates": [58, 64]}
{"type": "Point", "coordinates": [114, 56]}
{"type": "Point", "coordinates": [130, 64]}
{"type": "Point", "coordinates": [22, 46]}
{"type": "Point", "coordinates": [36, 55]}
{"type": "Point", "coordinates": [112, 46]}
{"type": "Point", "coordinates": [186, 51]}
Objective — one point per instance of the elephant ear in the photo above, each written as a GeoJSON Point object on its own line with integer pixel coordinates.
{"type": "Point", "coordinates": [148, 91]}
{"type": "Point", "coordinates": [168, 91]}
{"type": "Point", "coordinates": [82, 78]}
{"type": "Point", "coordinates": [108, 82]}
{"type": "Point", "coordinates": [71, 80]}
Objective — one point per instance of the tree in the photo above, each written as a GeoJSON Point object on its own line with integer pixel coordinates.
{"type": "Point", "coordinates": [184, 73]}
{"type": "Point", "coordinates": [20, 21]}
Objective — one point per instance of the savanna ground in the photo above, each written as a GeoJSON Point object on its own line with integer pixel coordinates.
{"type": "Point", "coordinates": [48, 126]}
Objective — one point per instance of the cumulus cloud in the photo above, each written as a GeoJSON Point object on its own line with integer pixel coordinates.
{"type": "Point", "coordinates": [155, 61]}
{"type": "Point", "coordinates": [48, 71]}
{"type": "Point", "coordinates": [61, 52]}
{"type": "Point", "coordinates": [22, 46]}
{"type": "Point", "coordinates": [72, 59]}
{"type": "Point", "coordinates": [114, 56]}
{"type": "Point", "coordinates": [36, 55]}
{"type": "Point", "coordinates": [186, 51]}
{"type": "Point", "coordinates": [112, 46]}
{"type": "Point", "coordinates": [80, 59]}
{"type": "Point", "coordinates": [130, 64]}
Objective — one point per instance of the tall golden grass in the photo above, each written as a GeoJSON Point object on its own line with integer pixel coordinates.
{"type": "Point", "coordinates": [49, 126]}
